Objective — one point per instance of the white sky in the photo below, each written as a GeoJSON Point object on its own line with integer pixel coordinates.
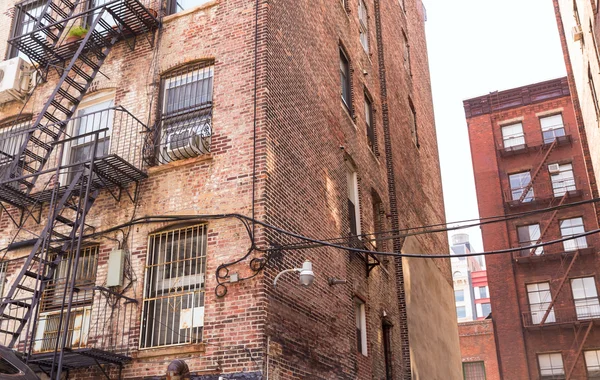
{"type": "Point", "coordinates": [476, 47]}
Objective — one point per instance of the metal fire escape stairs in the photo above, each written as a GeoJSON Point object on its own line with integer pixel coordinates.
{"type": "Point", "coordinates": [536, 172]}
{"type": "Point", "coordinates": [78, 64]}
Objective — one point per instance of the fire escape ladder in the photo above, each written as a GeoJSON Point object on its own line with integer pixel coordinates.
{"type": "Point", "coordinates": [537, 170]}
{"type": "Point", "coordinates": [560, 286]}
{"type": "Point", "coordinates": [22, 300]}
{"type": "Point", "coordinates": [552, 217]}
{"type": "Point", "coordinates": [579, 348]}
{"type": "Point", "coordinates": [51, 123]}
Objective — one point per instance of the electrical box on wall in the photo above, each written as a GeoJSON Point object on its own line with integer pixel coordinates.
{"type": "Point", "coordinates": [116, 261]}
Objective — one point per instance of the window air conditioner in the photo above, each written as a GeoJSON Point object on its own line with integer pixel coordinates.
{"type": "Point", "coordinates": [188, 142]}
{"type": "Point", "coordinates": [553, 168]}
{"type": "Point", "coordinates": [15, 79]}
{"type": "Point", "coordinates": [577, 33]}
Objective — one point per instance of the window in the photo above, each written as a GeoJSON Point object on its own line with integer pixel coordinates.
{"type": "Point", "coordinates": [378, 214]}
{"type": "Point", "coordinates": [369, 122]}
{"type": "Point", "coordinates": [483, 309]}
{"type": "Point", "coordinates": [175, 6]}
{"type": "Point", "coordinates": [481, 292]}
{"type": "Point", "coordinates": [406, 53]}
{"type": "Point", "coordinates": [513, 136]}
{"type": "Point", "coordinates": [47, 332]}
{"type": "Point", "coordinates": [24, 21]}
{"type": "Point", "coordinates": [552, 127]}
{"type": "Point", "coordinates": [529, 235]}
{"type": "Point", "coordinates": [461, 312]}
{"type": "Point", "coordinates": [186, 117]}
{"type": "Point", "coordinates": [12, 136]}
{"type": "Point", "coordinates": [592, 363]}
{"type": "Point", "coordinates": [570, 227]}
{"type": "Point", "coordinates": [551, 366]}
{"type": "Point", "coordinates": [539, 301]}
{"type": "Point", "coordinates": [361, 326]}
{"type": "Point", "coordinates": [459, 295]}
{"type": "Point", "coordinates": [413, 123]}
{"type": "Point", "coordinates": [387, 350]}
{"type": "Point", "coordinates": [173, 306]}
{"type": "Point", "coordinates": [518, 183]}
{"type": "Point", "coordinates": [593, 93]}
{"type": "Point", "coordinates": [585, 297]}
{"type": "Point", "coordinates": [364, 25]}
{"type": "Point", "coordinates": [345, 80]}
{"type": "Point", "coordinates": [563, 181]}
{"type": "Point", "coordinates": [474, 370]}
{"type": "Point", "coordinates": [90, 118]}
{"type": "Point", "coordinates": [353, 205]}
{"type": "Point", "coordinates": [3, 269]}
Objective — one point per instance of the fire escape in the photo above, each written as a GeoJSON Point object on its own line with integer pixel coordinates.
{"type": "Point", "coordinates": [47, 180]}
{"type": "Point", "coordinates": [582, 325]}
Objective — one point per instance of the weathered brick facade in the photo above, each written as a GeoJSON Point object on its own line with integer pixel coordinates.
{"type": "Point", "coordinates": [520, 333]}
{"type": "Point", "coordinates": [277, 116]}
{"type": "Point", "coordinates": [478, 344]}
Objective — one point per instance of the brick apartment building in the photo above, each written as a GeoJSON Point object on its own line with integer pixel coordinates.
{"type": "Point", "coordinates": [157, 130]}
{"type": "Point", "coordinates": [528, 155]}
{"type": "Point", "coordinates": [578, 25]}
{"type": "Point", "coordinates": [478, 350]}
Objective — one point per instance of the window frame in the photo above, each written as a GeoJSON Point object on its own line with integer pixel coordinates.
{"type": "Point", "coordinates": [370, 123]}
{"type": "Point", "coordinates": [195, 120]}
{"type": "Point", "coordinates": [515, 136]}
{"type": "Point", "coordinates": [171, 6]}
{"type": "Point", "coordinates": [551, 376]}
{"type": "Point", "coordinates": [597, 366]}
{"type": "Point", "coordinates": [555, 180]}
{"type": "Point", "coordinates": [17, 25]}
{"type": "Point", "coordinates": [346, 79]}
{"type": "Point", "coordinates": [360, 318]}
{"type": "Point", "coordinates": [527, 243]}
{"type": "Point", "coordinates": [194, 292]}
{"type": "Point", "coordinates": [462, 294]}
{"type": "Point", "coordinates": [474, 362]}
{"type": "Point", "coordinates": [593, 92]}
{"type": "Point", "coordinates": [353, 201]}
{"type": "Point", "coordinates": [588, 301]}
{"type": "Point", "coordinates": [577, 243]}
{"type": "Point", "coordinates": [463, 307]}
{"type": "Point", "coordinates": [540, 311]}
{"type": "Point", "coordinates": [363, 25]}
{"type": "Point", "coordinates": [530, 194]}
{"type": "Point", "coordinates": [386, 330]}
{"type": "Point", "coordinates": [552, 128]}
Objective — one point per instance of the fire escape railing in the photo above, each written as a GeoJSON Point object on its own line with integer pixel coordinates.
{"type": "Point", "coordinates": [561, 316]}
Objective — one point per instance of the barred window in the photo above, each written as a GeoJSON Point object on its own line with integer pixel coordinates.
{"type": "Point", "coordinates": [12, 136]}
{"type": "Point", "coordinates": [186, 116]}
{"type": "Point", "coordinates": [173, 311]}
{"type": "Point", "coordinates": [474, 370]}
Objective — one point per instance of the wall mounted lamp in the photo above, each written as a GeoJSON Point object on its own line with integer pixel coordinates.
{"type": "Point", "coordinates": [307, 276]}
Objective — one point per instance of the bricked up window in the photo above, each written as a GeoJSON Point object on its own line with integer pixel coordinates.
{"type": "Point", "coordinates": [474, 370]}
{"type": "Point", "coordinates": [570, 227]}
{"type": "Point", "coordinates": [361, 326]}
{"type": "Point", "coordinates": [551, 366]}
{"type": "Point", "coordinates": [539, 301]}
{"type": "Point", "coordinates": [585, 297]}
{"type": "Point", "coordinates": [552, 127]}
{"type": "Point", "coordinates": [186, 117]}
{"type": "Point", "coordinates": [386, 328]}
{"type": "Point", "coordinates": [563, 180]}
{"type": "Point", "coordinates": [592, 363]}
{"type": "Point", "coordinates": [363, 25]}
{"type": "Point", "coordinates": [173, 311]}
{"type": "Point", "coordinates": [345, 80]}
{"type": "Point", "coordinates": [513, 136]}
{"type": "Point", "coordinates": [369, 122]}
{"type": "Point", "coordinates": [24, 20]}
{"type": "Point", "coordinates": [518, 183]}
{"type": "Point", "coordinates": [529, 235]}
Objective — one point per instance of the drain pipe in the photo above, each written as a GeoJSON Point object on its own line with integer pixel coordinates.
{"type": "Point", "coordinates": [178, 370]}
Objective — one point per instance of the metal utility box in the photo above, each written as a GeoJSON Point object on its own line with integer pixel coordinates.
{"type": "Point", "coordinates": [116, 261]}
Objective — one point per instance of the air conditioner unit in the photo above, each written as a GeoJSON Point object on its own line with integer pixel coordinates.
{"type": "Point", "coordinates": [189, 141]}
{"type": "Point", "coordinates": [577, 33]}
{"type": "Point", "coordinates": [15, 79]}
{"type": "Point", "coordinates": [553, 168]}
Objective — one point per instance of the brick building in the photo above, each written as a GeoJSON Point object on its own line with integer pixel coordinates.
{"type": "Point", "coordinates": [157, 130]}
{"type": "Point", "coordinates": [579, 30]}
{"type": "Point", "coordinates": [478, 350]}
{"type": "Point", "coordinates": [528, 155]}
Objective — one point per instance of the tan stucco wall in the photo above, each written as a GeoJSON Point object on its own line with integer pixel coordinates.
{"type": "Point", "coordinates": [431, 315]}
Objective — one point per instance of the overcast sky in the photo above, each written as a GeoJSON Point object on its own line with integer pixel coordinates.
{"type": "Point", "coordinates": [476, 47]}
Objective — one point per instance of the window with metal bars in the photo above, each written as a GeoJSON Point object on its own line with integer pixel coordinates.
{"type": "Point", "coordinates": [13, 133]}
{"type": "Point", "coordinates": [186, 112]}
{"type": "Point", "coordinates": [85, 279]}
{"type": "Point", "coordinates": [173, 310]}
{"type": "Point", "coordinates": [47, 331]}
{"type": "Point", "coordinates": [474, 370]}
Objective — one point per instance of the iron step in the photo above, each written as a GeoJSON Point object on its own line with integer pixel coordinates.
{"type": "Point", "coordinates": [30, 169]}
{"type": "Point", "coordinates": [35, 156]}
{"type": "Point", "coordinates": [68, 3]}
{"type": "Point", "coordinates": [56, 104]}
{"type": "Point", "coordinates": [23, 181]}
{"type": "Point", "coordinates": [40, 143]}
{"type": "Point", "coordinates": [45, 262]}
{"type": "Point", "coordinates": [19, 303]}
{"type": "Point", "coordinates": [58, 10]}
{"type": "Point", "coordinates": [76, 85]}
{"type": "Point", "coordinates": [12, 317]}
{"type": "Point", "coordinates": [49, 132]}
{"type": "Point", "coordinates": [85, 59]}
{"type": "Point", "coordinates": [9, 332]}
{"type": "Point", "coordinates": [60, 236]}
{"type": "Point", "coordinates": [31, 274]}
{"type": "Point", "coordinates": [64, 220]}
{"type": "Point", "coordinates": [65, 94]}
{"type": "Point", "coordinates": [79, 71]}
{"type": "Point", "coordinates": [25, 288]}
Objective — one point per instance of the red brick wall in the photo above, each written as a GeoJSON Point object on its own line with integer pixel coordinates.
{"type": "Point", "coordinates": [508, 278]}
{"type": "Point", "coordinates": [477, 343]}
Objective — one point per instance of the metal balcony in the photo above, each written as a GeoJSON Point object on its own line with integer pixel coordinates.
{"type": "Point", "coordinates": [545, 194]}
{"type": "Point", "coordinates": [565, 316]}
{"type": "Point", "coordinates": [47, 45]}
{"type": "Point", "coordinates": [118, 136]}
